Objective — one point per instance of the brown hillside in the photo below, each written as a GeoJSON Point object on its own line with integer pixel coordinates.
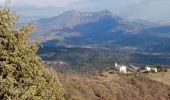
{"type": "Point", "coordinates": [108, 86]}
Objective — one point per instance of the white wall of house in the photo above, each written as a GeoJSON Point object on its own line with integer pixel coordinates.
{"type": "Point", "coordinates": [151, 69]}
{"type": "Point", "coordinates": [116, 64]}
{"type": "Point", "coordinates": [155, 70]}
{"type": "Point", "coordinates": [148, 68]}
{"type": "Point", "coordinates": [123, 69]}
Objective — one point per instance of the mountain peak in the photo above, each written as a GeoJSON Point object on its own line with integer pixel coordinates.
{"type": "Point", "coordinates": [74, 18]}
{"type": "Point", "coordinates": [72, 11]}
{"type": "Point", "coordinates": [106, 11]}
{"type": "Point", "coordinates": [88, 14]}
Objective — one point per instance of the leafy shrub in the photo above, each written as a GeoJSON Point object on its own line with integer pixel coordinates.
{"type": "Point", "coordinates": [22, 73]}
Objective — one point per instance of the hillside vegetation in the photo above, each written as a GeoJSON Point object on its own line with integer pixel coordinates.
{"type": "Point", "coordinates": [24, 77]}
{"type": "Point", "coordinates": [113, 86]}
{"type": "Point", "coordinates": [22, 73]}
{"type": "Point", "coordinates": [92, 37]}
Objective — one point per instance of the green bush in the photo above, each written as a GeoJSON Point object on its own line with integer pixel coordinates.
{"type": "Point", "coordinates": [22, 73]}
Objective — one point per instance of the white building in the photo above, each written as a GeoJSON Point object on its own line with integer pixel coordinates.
{"type": "Point", "coordinates": [148, 68]}
{"type": "Point", "coordinates": [121, 68]}
{"type": "Point", "coordinates": [151, 69]}
{"type": "Point", "coordinates": [154, 69]}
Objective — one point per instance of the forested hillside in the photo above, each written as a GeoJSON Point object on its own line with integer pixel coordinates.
{"type": "Point", "coordinates": [102, 37]}
{"type": "Point", "coordinates": [85, 72]}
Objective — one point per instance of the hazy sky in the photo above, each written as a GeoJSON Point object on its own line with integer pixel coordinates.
{"type": "Point", "coordinates": [153, 10]}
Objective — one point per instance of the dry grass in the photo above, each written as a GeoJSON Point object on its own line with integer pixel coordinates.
{"type": "Point", "coordinates": [113, 86]}
{"type": "Point", "coordinates": [163, 77]}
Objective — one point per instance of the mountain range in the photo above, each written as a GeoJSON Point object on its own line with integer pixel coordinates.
{"type": "Point", "coordinates": [77, 24]}
{"type": "Point", "coordinates": [104, 31]}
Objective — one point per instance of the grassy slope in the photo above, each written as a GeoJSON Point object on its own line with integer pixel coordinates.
{"type": "Point", "coordinates": [109, 86]}
{"type": "Point", "coordinates": [163, 77]}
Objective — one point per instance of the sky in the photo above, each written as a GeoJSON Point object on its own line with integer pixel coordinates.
{"type": "Point", "coordinates": [151, 10]}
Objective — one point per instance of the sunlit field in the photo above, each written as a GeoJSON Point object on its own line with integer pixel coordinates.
{"type": "Point", "coordinates": [161, 77]}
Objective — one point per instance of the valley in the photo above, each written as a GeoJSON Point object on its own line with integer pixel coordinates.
{"type": "Point", "coordinates": [102, 37]}
{"type": "Point", "coordinates": [55, 53]}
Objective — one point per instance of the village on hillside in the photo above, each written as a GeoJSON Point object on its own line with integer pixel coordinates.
{"type": "Point", "coordinates": [122, 68]}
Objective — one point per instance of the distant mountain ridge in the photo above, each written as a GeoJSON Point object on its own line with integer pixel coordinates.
{"type": "Point", "coordinates": [102, 36]}
{"type": "Point", "coordinates": [77, 24]}
{"type": "Point", "coordinates": [73, 18]}
{"type": "Point", "coordinates": [69, 19]}
{"type": "Point", "coordinates": [100, 28]}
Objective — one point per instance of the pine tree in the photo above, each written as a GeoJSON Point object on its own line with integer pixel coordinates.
{"type": "Point", "coordinates": [22, 73]}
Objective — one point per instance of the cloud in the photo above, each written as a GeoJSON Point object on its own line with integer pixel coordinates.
{"type": "Point", "coordinates": [153, 10]}
{"type": "Point", "coordinates": [139, 2]}
{"type": "Point", "coordinates": [2, 2]}
{"type": "Point", "coordinates": [145, 9]}
{"type": "Point", "coordinates": [42, 3]}
{"type": "Point", "coordinates": [136, 1]}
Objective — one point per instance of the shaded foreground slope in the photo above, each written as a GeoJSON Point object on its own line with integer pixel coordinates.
{"type": "Point", "coordinates": [109, 86]}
